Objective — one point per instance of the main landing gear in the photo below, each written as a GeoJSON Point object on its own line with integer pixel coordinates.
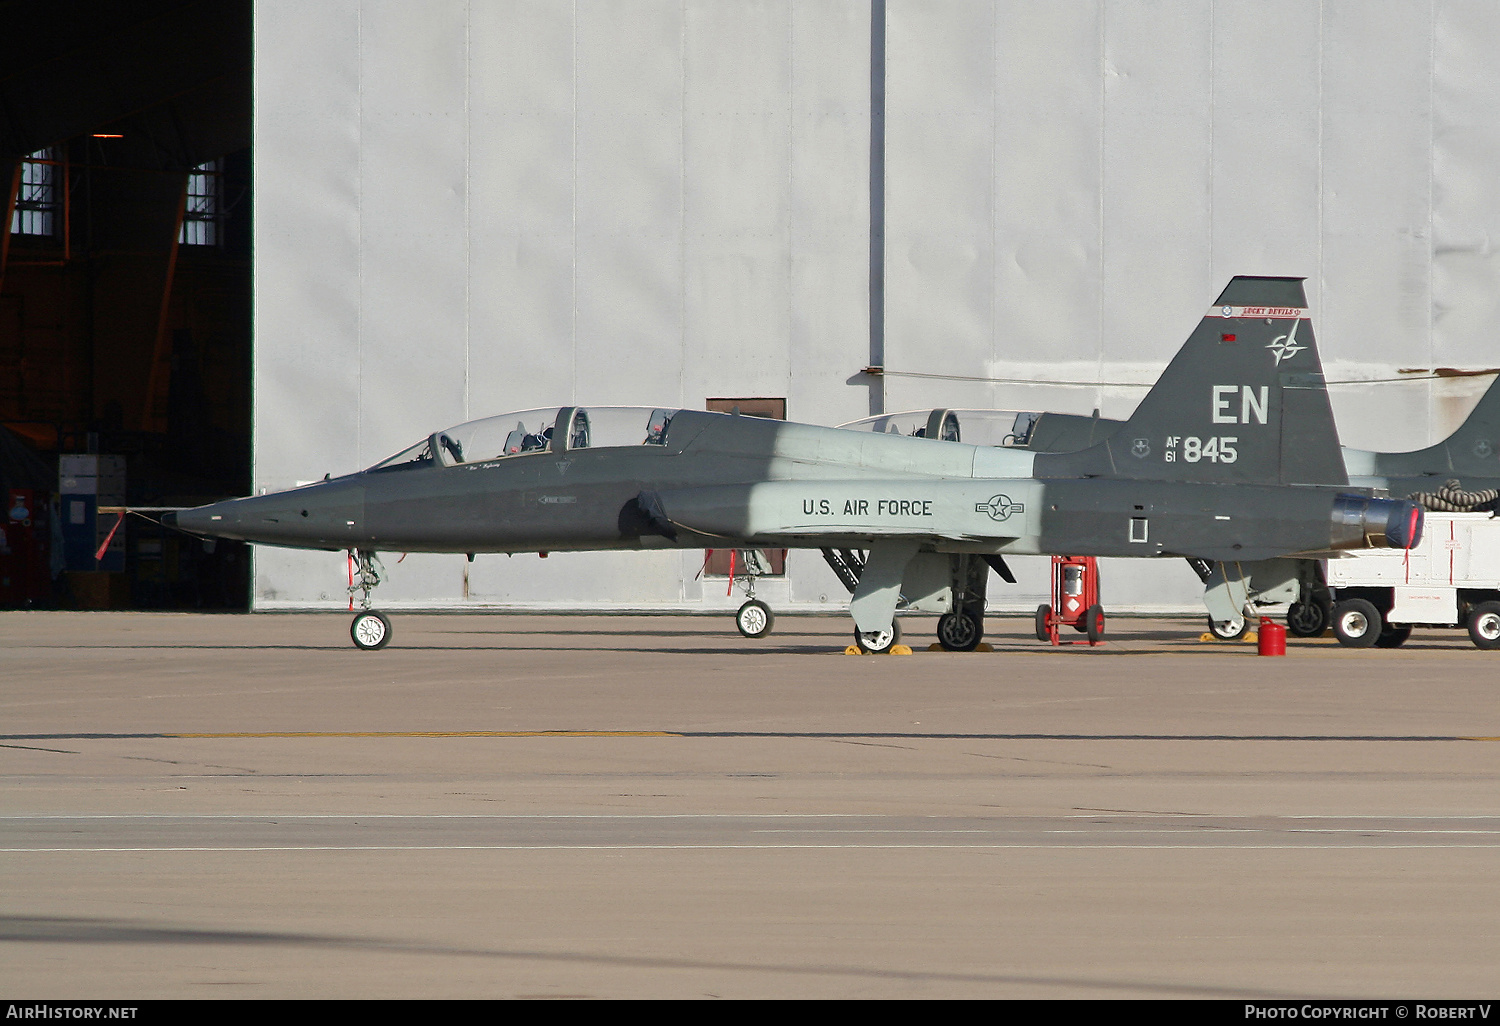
{"type": "Point", "coordinates": [370, 629]}
{"type": "Point", "coordinates": [960, 631]}
{"type": "Point", "coordinates": [878, 642]}
{"type": "Point", "coordinates": [1231, 630]}
{"type": "Point", "coordinates": [963, 576]}
{"type": "Point", "coordinates": [878, 589]}
{"type": "Point", "coordinates": [1308, 618]}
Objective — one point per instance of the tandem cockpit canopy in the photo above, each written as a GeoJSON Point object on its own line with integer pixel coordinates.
{"type": "Point", "coordinates": [553, 429]}
{"type": "Point", "coordinates": [1009, 429]}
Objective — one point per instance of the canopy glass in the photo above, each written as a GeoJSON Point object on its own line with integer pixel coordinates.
{"type": "Point", "coordinates": [531, 431]}
{"type": "Point", "coordinates": [1009, 429]}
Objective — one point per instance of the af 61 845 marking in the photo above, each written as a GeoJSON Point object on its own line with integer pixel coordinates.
{"type": "Point", "coordinates": [1220, 449]}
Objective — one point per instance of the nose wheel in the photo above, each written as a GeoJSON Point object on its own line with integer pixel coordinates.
{"type": "Point", "coordinates": [754, 619]}
{"type": "Point", "coordinates": [370, 630]}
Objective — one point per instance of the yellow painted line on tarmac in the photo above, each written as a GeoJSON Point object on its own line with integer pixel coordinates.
{"type": "Point", "coordinates": [435, 733]}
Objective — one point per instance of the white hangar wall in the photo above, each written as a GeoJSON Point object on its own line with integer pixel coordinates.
{"type": "Point", "coordinates": [1072, 183]}
{"type": "Point", "coordinates": [469, 208]}
{"type": "Point", "coordinates": [465, 208]}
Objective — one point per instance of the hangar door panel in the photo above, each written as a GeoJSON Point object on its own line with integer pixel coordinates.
{"type": "Point", "coordinates": [732, 562]}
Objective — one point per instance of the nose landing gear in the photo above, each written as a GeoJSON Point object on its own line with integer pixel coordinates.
{"type": "Point", "coordinates": [878, 641]}
{"type": "Point", "coordinates": [754, 618]}
{"type": "Point", "coordinates": [370, 629]}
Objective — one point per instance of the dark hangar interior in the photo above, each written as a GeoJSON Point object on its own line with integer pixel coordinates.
{"type": "Point", "coordinates": [125, 297]}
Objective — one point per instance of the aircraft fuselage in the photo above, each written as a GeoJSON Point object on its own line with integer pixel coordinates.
{"type": "Point", "coordinates": [745, 482]}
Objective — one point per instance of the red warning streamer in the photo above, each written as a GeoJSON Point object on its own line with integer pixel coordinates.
{"type": "Point", "coordinates": [111, 537]}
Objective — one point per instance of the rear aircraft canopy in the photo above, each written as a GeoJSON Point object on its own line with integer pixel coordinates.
{"type": "Point", "coordinates": [1003, 429]}
{"type": "Point", "coordinates": [552, 429]}
{"type": "Point", "coordinates": [1009, 429]}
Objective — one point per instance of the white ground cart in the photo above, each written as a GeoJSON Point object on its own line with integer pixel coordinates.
{"type": "Point", "coordinates": [1451, 579]}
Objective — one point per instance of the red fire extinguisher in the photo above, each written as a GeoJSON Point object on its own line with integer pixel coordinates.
{"type": "Point", "coordinates": [1075, 601]}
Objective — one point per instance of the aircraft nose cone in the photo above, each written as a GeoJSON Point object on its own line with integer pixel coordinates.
{"type": "Point", "coordinates": [324, 515]}
{"type": "Point", "coordinates": [207, 520]}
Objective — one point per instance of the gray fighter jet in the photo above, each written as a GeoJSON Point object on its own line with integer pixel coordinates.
{"type": "Point", "coordinates": [1471, 455]}
{"type": "Point", "coordinates": [1232, 456]}
{"type": "Point", "coordinates": [1461, 472]}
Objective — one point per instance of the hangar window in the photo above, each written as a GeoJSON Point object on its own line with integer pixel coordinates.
{"type": "Point", "coordinates": [38, 199]}
{"type": "Point", "coordinates": [203, 213]}
{"type": "Point", "coordinates": [773, 409]}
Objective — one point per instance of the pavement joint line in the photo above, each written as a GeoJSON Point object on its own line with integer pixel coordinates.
{"type": "Point", "coordinates": [433, 733]}
{"type": "Point", "coordinates": [726, 734]}
{"type": "Point", "coordinates": [748, 847]}
{"type": "Point", "coordinates": [1215, 817]}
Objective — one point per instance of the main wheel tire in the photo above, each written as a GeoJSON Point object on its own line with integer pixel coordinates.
{"type": "Point", "coordinates": [1043, 614]}
{"type": "Point", "coordinates": [1357, 623]}
{"type": "Point", "coordinates": [1093, 624]}
{"type": "Point", "coordinates": [370, 630]}
{"type": "Point", "coordinates": [1307, 619]}
{"type": "Point", "coordinates": [1484, 625]}
{"type": "Point", "coordinates": [1393, 637]}
{"type": "Point", "coordinates": [960, 631]}
{"type": "Point", "coordinates": [754, 619]}
{"type": "Point", "coordinates": [877, 642]}
{"type": "Point", "coordinates": [1229, 630]}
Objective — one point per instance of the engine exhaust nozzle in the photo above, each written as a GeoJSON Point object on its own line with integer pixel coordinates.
{"type": "Point", "coordinates": [1361, 522]}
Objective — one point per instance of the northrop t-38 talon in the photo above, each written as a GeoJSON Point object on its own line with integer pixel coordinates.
{"type": "Point", "coordinates": [1457, 474]}
{"type": "Point", "coordinates": [1232, 455]}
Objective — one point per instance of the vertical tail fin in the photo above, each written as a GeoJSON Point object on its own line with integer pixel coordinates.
{"type": "Point", "coordinates": [1474, 449]}
{"type": "Point", "coordinates": [1471, 451]}
{"type": "Point", "coordinates": [1242, 402]}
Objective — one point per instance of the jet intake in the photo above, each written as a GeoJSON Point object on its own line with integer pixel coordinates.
{"type": "Point", "coordinates": [1360, 522]}
{"type": "Point", "coordinates": [644, 515]}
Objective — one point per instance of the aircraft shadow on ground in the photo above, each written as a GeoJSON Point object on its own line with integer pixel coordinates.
{"type": "Point", "coordinates": [58, 930]}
